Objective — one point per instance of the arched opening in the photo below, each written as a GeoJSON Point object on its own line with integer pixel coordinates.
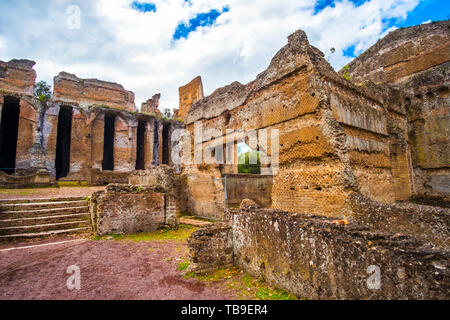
{"type": "Point", "coordinates": [166, 144]}
{"type": "Point", "coordinates": [140, 148]}
{"type": "Point", "coordinates": [8, 134]}
{"type": "Point", "coordinates": [63, 138]}
{"type": "Point", "coordinates": [108, 142]}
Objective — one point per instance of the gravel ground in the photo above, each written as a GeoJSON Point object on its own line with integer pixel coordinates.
{"type": "Point", "coordinates": [109, 270]}
{"type": "Point", "coordinates": [48, 192]}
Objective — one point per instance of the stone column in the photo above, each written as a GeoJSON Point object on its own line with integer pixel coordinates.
{"type": "Point", "coordinates": [148, 143]}
{"type": "Point", "coordinates": [132, 143]}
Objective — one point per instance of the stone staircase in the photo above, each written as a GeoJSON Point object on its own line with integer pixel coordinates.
{"type": "Point", "coordinates": [36, 218]}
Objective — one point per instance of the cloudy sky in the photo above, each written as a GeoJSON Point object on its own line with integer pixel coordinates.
{"type": "Point", "coordinates": [155, 46]}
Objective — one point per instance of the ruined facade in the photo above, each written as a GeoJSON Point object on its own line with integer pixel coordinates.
{"type": "Point", "coordinates": [416, 61]}
{"type": "Point", "coordinates": [189, 94]}
{"type": "Point", "coordinates": [337, 136]}
{"type": "Point", "coordinates": [382, 132]}
{"type": "Point", "coordinates": [89, 130]}
{"type": "Point", "coordinates": [342, 156]}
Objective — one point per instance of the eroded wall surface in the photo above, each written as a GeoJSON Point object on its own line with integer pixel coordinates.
{"type": "Point", "coordinates": [334, 136]}
{"type": "Point", "coordinates": [189, 94]}
{"type": "Point", "coordinates": [68, 88]}
{"type": "Point", "coordinates": [314, 258]}
{"type": "Point", "coordinates": [17, 76]}
{"type": "Point", "coordinates": [415, 61]}
{"type": "Point", "coordinates": [89, 100]}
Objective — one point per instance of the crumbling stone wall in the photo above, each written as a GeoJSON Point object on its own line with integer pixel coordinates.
{"type": "Point", "coordinates": [89, 100]}
{"type": "Point", "coordinates": [335, 137]}
{"type": "Point", "coordinates": [415, 61]}
{"type": "Point", "coordinates": [125, 209]}
{"type": "Point", "coordinates": [211, 248]}
{"type": "Point", "coordinates": [426, 223]}
{"type": "Point", "coordinates": [68, 88]}
{"type": "Point", "coordinates": [249, 186]}
{"type": "Point", "coordinates": [189, 94]}
{"type": "Point", "coordinates": [18, 76]}
{"type": "Point", "coordinates": [204, 192]}
{"type": "Point", "coordinates": [162, 177]}
{"type": "Point", "coordinates": [315, 257]}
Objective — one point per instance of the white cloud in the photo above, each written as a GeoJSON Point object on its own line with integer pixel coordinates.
{"type": "Point", "coordinates": [117, 43]}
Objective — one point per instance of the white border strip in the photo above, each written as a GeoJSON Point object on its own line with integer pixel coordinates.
{"type": "Point", "coordinates": [43, 245]}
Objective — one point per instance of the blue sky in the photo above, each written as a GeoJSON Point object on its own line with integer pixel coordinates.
{"type": "Point", "coordinates": [156, 46]}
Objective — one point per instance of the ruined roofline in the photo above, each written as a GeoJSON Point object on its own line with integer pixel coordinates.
{"type": "Point", "coordinates": [399, 34]}
{"type": "Point", "coordinates": [70, 76]}
{"type": "Point", "coordinates": [286, 61]}
{"type": "Point", "coordinates": [68, 87]}
{"type": "Point", "coordinates": [19, 63]}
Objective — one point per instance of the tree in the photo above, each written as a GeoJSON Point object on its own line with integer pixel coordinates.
{"type": "Point", "coordinates": [167, 113]}
{"type": "Point", "coordinates": [42, 91]}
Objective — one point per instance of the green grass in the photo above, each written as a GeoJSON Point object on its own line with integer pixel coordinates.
{"type": "Point", "coordinates": [183, 265]}
{"type": "Point", "coordinates": [19, 192]}
{"type": "Point", "coordinates": [243, 284]}
{"type": "Point", "coordinates": [73, 184]}
{"type": "Point", "coordinates": [180, 235]}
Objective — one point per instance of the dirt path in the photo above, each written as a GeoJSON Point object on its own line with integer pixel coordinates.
{"type": "Point", "coordinates": [48, 192]}
{"type": "Point", "coordinates": [109, 270]}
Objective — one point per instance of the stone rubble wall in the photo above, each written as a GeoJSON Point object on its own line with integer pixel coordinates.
{"type": "Point", "coordinates": [18, 76]}
{"type": "Point", "coordinates": [126, 209]}
{"type": "Point", "coordinates": [211, 248]}
{"type": "Point", "coordinates": [189, 94]}
{"type": "Point", "coordinates": [416, 61]}
{"type": "Point", "coordinates": [426, 223]}
{"type": "Point", "coordinates": [68, 87]}
{"type": "Point", "coordinates": [316, 257]}
{"type": "Point", "coordinates": [335, 137]}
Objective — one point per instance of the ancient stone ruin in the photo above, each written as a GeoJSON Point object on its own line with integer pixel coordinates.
{"type": "Point", "coordinates": [355, 165]}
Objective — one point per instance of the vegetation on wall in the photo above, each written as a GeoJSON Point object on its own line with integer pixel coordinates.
{"type": "Point", "coordinates": [244, 165]}
{"type": "Point", "coordinates": [42, 91]}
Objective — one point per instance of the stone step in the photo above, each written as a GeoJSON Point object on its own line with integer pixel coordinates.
{"type": "Point", "coordinates": [42, 205]}
{"type": "Point", "coordinates": [15, 222]}
{"type": "Point", "coordinates": [4, 231]}
{"type": "Point", "coordinates": [39, 212]}
{"type": "Point", "coordinates": [34, 200]}
{"type": "Point", "coordinates": [19, 236]}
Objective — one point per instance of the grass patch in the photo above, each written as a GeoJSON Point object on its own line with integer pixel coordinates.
{"type": "Point", "coordinates": [72, 184]}
{"type": "Point", "coordinates": [19, 192]}
{"type": "Point", "coordinates": [183, 265]}
{"type": "Point", "coordinates": [244, 285]}
{"type": "Point", "coordinates": [180, 235]}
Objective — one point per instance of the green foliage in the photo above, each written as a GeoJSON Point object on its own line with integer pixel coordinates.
{"type": "Point", "coordinates": [244, 165]}
{"type": "Point", "coordinates": [180, 235]}
{"type": "Point", "coordinates": [346, 72]}
{"type": "Point", "coordinates": [42, 91]}
{"type": "Point", "coordinates": [244, 285]}
{"type": "Point", "coordinates": [167, 114]}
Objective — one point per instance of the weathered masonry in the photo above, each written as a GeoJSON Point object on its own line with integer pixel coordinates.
{"type": "Point", "coordinates": [89, 131]}
{"type": "Point", "coordinates": [387, 140]}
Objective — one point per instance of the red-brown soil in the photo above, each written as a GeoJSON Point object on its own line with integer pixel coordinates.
{"type": "Point", "coordinates": [109, 270]}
